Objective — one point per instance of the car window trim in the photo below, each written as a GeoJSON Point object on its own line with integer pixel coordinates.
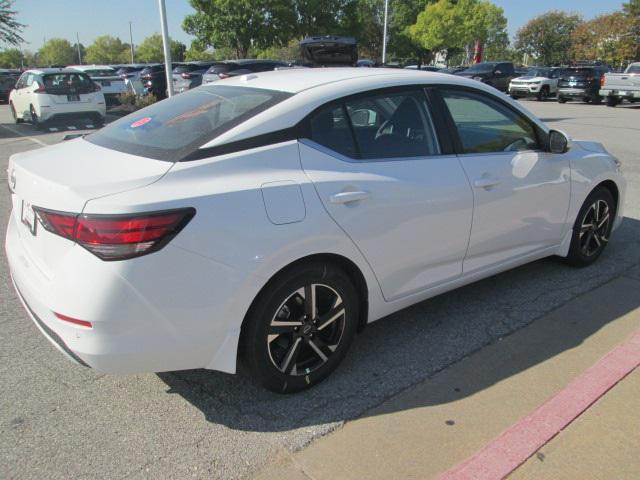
{"type": "Point", "coordinates": [541, 136]}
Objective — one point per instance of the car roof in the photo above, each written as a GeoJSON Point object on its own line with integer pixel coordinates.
{"type": "Point", "coordinates": [44, 71]}
{"type": "Point", "coordinates": [91, 67]}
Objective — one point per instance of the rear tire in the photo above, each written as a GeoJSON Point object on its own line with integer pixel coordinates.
{"type": "Point", "coordinates": [300, 327]}
{"type": "Point", "coordinates": [592, 228]}
{"type": "Point", "coordinates": [543, 94]}
{"type": "Point", "coordinates": [562, 99]}
{"type": "Point", "coordinates": [611, 101]}
{"type": "Point", "coordinates": [597, 100]}
{"type": "Point", "coordinates": [35, 120]}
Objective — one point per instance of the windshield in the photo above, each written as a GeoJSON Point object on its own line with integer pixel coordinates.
{"type": "Point", "coordinates": [481, 68]}
{"type": "Point", "coordinates": [64, 82]}
{"type": "Point", "coordinates": [537, 72]}
{"type": "Point", "coordinates": [578, 72]}
{"type": "Point", "coordinates": [171, 129]}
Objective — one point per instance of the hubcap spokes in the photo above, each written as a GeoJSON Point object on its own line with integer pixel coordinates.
{"type": "Point", "coordinates": [306, 329]}
{"type": "Point", "coordinates": [594, 228]}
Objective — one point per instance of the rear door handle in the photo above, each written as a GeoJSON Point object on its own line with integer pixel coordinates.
{"type": "Point", "coordinates": [486, 182]}
{"type": "Point", "coordinates": [348, 197]}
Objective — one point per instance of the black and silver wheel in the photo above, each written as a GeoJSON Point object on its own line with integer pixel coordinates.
{"type": "Point", "coordinates": [543, 94]}
{"type": "Point", "coordinates": [592, 228]}
{"type": "Point", "coordinates": [561, 99]}
{"type": "Point", "coordinates": [300, 327]}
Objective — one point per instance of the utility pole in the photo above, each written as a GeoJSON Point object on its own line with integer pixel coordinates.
{"type": "Point", "coordinates": [167, 47]}
{"type": "Point", "coordinates": [78, 45]}
{"type": "Point", "coordinates": [131, 40]}
{"type": "Point", "coordinates": [384, 33]}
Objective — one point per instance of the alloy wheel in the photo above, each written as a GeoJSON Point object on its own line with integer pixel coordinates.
{"type": "Point", "coordinates": [594, 228]}
{"type": "Point", "coordinates": [306, 329]}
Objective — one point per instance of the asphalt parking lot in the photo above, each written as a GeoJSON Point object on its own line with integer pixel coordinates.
{"type": "Point", "coordinates": [58, 420]}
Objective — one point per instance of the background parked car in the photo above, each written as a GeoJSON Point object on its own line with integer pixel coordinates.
{"type": "Point", "coordinates": [581, 83]}
{"type": "Point", "coordinates": [453, 70]}
{"type": "Point", "coordinates": [221, 70]}
{"type": "Point", "coordinates": [424, 68]}
{"type": "Point", "coordinates": [496, 74]}
{"type": "Point", "coordinates": [105, 76]}
{"type": "Point", "coordinates": [8, 79]}
{"type": "Point", "coordinates": [329, 51]}
{"type": "Point", "coordinates": [130, 71]}
{"type": "Point", "coordinates": [539, 82]}
{"type": "Point", "coordinates": [56, 93]}
{"type": "Point", "coordinates": [154, 80]}
{"type": "Point", "coordinates": [189, 75]}
{"type": "Point", "coordinates": [616, 87]}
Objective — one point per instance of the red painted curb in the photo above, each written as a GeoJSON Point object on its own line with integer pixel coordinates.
{"type": "Point", "coordinates": [515, 445]}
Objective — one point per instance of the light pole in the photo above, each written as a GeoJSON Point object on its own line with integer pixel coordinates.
{"type": "Point", "coordinates": [131, 40]}
{"type": "Point", "coordinates": [78, 45]}
{"type": "Point", "coordinates": [384, 32]}
{"type": "Point", "coordinates": [167, 47]}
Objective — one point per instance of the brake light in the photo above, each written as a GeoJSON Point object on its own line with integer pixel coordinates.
{"type": "Point", "coordinates": [602, 81]}
{"type": "Point", "coordinates": [186, 75]}
{"type": "Point", "coordinates": [117, 237]}
{"type": "Point", "coordinates": [223, 76]}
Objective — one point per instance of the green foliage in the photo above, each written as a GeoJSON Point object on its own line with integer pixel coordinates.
{"type": "Point", "coordinates": [454, 25]}
{"type": "Point", "coordinates": [108, 50]}
{"type": "Point", "coordinates": [289, 52]}
{"type": "Point", "coordinates": [11, 58]}
{"type": "Point", "coordinates": [10, 29]}
{"type": "Point", "coordinates": [196, 53]}
{"type": "Point", "coordinates": [151, 50]}
{"type": "Point", "coordinates": [56, 51]}
{"type": "Point", "coordinates": [83, 54]}
{"type": "Point", "coordinates": [548, 37]}
{"type": "Point", "coordinates": [594, 40]}
{"type": "Point", "coordinates": [632, 8]}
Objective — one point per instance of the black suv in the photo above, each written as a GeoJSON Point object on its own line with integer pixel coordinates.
{"type": "Point", "coordinates": [154, 80]}
{"type": "Point", "coordinates": [329, 51]}
{"type": "Point", "coordinates": [496, 74]}
{"type": "Point", "coordinates": [581, 83]}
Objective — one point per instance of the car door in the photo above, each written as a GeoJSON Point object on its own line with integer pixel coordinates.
{"type": "Point", "coordinates": [392, 185]}
{"type": "Point", "coordinates": [521, 192]}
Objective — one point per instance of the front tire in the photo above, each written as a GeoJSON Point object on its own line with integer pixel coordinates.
{"type": "Point", "coordinates": [592, 228]}
{"type": "Point", "coordinates": [543, 94]}
{"type": "Point", "coordinates": [611, 101]}
{"type": "Point", "coordinates": [561, 99]}
{"type": "Point", "coordinates": [300, 327]}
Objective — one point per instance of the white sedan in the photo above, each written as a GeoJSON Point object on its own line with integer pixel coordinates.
{"type": "Point", "coordinates": [275, 214]}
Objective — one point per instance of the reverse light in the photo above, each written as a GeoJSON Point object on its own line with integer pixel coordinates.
{"type": "Point", "coordinates": [117, 237]}
{"type": "Point", "coordinates": [186, 75]}
{"type": "Point", "coordinates": [75, 321]}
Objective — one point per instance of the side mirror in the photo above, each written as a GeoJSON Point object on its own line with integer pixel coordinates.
{"type": "Point", "coordinates": [558, 142]}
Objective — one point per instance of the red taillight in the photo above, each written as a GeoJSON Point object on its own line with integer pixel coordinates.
{"type": "Point", "coordinates": [117, 237]}
{"type": "Point", "coordinates": [602, 81]}
{"type": "Point", "coordinates": [223, 76]}
{"type": "Point", "coordinates": [186, 75]}
{"type": "Point", "coordinates": [75, 321]}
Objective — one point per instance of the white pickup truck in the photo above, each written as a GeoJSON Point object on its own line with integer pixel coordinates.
{"type": "Point", "coordinates": [616, 87]}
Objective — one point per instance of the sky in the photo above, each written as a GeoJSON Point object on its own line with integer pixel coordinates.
{"type": "Point", "coordinates": [91, 18]}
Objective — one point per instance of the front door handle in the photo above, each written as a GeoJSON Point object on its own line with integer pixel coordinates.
{"type": "Point", "coordinates": [486, 182]}
{"type": "Point", "coordinates": [348, 197]}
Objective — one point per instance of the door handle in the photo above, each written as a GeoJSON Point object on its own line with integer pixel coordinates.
{"type": "Point", "coordinates": [348, 197]}
{"type": "Point", "coordinates": [486, 182]}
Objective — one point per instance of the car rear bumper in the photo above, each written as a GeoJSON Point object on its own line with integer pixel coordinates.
{"type": "Point", "coordinates": [73, 110]}
{"type": "Point", "coordinates": [576, 92]}
{"type": "Point", "coordinates": [142, 320]}
{"type": "Point", "coordinates": [610, 92]}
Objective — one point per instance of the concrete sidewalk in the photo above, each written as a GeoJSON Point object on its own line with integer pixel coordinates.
{"type": "Point", "coordinates": [439, 423]}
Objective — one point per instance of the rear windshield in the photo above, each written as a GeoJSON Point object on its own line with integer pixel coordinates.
{"type": "Point", "coordinates": [67, 82]}
{"type": "Point", "coordinates": [222, 68]}
{"type": "Point", "coordinates": [172, 129]}
{"type": "Point", "coordinates": [99, 72]}
{"type": "Point", "coordinates": [482, 67]}
{"type": "Point", "coordinates": [633, 69]}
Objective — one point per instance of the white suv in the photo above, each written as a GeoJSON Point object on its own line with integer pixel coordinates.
{"type": "Point", "coordinates": [539, 82]}
{"type": "Point", "coordinates": [46, 94]}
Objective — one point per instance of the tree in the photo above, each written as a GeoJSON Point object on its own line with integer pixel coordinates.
{"type": "Point", "coordinates": [83, 54]}
{"type": "Point", "coordinates": [151, 50]}
{"type": "Point", "coordinates": [10, 29]}
{"type": "Point", "coordinates": [242, 24]}
{"type": "Point", "coordinates": [11, 58]}
{"type": "Point", "coordinates": [454, 26]}
{"type": "Point", "coordinates": [611, 38]}
{"type": "Point", "coordinates": [632, 8]}
{"type": "Point", "coordinates": [401, 44]}
{"type": "Point", "coordinates": [107, 49]}
{"type": "Point", "coordinates": [56, 51]}
{"type": "Point", "coordinates": [548, 37]}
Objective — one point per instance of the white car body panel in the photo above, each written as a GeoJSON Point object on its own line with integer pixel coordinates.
{"type": "Point", "coordinates": [261, 209]}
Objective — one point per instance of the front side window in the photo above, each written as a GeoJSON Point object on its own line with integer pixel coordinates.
{"type": "Point", "coordinates": [384, 125]}
{"type": "Point", "coordinates": [485, 125]}
{"type": "Point", "coordinates": [172, 129]}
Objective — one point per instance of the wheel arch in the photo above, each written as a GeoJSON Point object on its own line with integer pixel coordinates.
{"type": "Point", "coordinates": [342, 262]}
{"type": "Point", "coordinates": [613, 189]}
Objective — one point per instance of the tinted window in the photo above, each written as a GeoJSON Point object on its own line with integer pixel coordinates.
{"type": "Point", "coordinates": [486, 125]}
{"type": "Point", "coordinates": [330, 127]}
{"type": "Point", "coordinates": [171, 129]}
{"type": "Point", "coordinates": [392, 125]}
{"type": "Point", "coordinates": [633, 69]}
{"type": "Point", "coordinates": [62, 82]}
{"type": "Point", "coordinates": [222, 68]}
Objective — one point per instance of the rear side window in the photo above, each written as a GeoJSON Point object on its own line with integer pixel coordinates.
{"type": "Point", "coordinates": [485, 125]}
{"type": "Point", "coordinates": [383, 125]}
{"type": "Point", "coordinates": [634, 69]}
{"type": "Point", "coordinates": [171, 129]}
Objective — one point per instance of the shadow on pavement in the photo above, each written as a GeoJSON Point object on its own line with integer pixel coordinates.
{"type": "Point", "coordinates": [412, 345]}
